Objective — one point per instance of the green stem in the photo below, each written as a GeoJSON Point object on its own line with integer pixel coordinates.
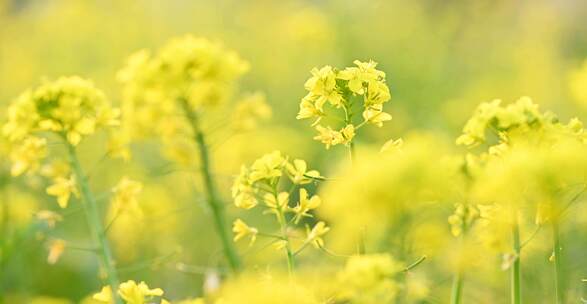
{"type": "Point", "coordinates": [516, 296]}
{"type": "Point", "coordinates": [291, 264]}
{"type": "Point", "coordinates": [216, 205]}
{"type": "Point", "coordinates": [558, 269]}
{"type": "Point", "coordinates": [94, 223]}
{"type": "Point", "coordinates": [457, 288]}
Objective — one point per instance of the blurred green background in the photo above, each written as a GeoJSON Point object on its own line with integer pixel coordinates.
{"type": "Point", "coordinates": [442, 58]}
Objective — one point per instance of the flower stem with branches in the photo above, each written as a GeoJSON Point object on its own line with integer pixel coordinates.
{"type": "Point", "coordinates": [214, 201]}
{"type": "Point", "coordinates": [94, 222]}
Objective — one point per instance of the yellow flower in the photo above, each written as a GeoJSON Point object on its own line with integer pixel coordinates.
{"type": "Point", "coordinates": [322, 85]}
{"type": "Point", "coordinates": [249, 110]}
{"type": "Point", "coordinates": [357, 77]}
{"type": "Point", "coordinates": [377, 93]}
{"type": "Point", "coordinates": [134, 293]}
{"type": "Point", "coordinates": [50, 217]}
{"type": "Point", "coordinates": [243, 191]}
{"type": "Point", "coordinates": [105, 295]}
{"type": "Point", "coordinates": [56, 248]}
{"type": "Point", "coordinates": [392, 145]}
{"type": "Point", "coordinates": [348, 133]}
{"type": "Point", "coordinates": [299, 173]}
{"type": "Point", "coordinates": [305, 205]}
{"type": "Point", "coordinates": [374, 114]}
{"type": "Point", "coordinates": [315, 235]}
{"type": "Point", "coordinates": [280, 203]}
{"type": "Point", "coordinates": [62, 188]}
{"type": "Point", "coordinates": [268, 166]}
{"type": "Point", "coordinates": [125, 196]}
{"type": "Point", "coordinates": [27, 156]}
{"type": "Point", "coordinates": [369, 279]}
{"type": "Point", "coordinates": [328, 136]}
{"type": "Point", "coordinates": [241, 230]}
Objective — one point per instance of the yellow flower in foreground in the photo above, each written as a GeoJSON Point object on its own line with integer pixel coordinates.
{"type": "Point", "coordinates": [125, 195]}
{"type": "Point", "coordinates": [375, 115]}
{"type": "Point", "coordinates": [268, 166]}
{"type": "Point", "coordinates": [280, 203]}
{"type": "Point", "coordinates": [392, 145]}
{"type": "Point", "coordinates": [105, 295]}
{"type": "Point", "coordinates": [62, 189]}
{"type": "Point", "coordinates": [241, 230]}
{"type": "Point", "coordinates": [134, 293]}
{"type": "Point", "coordinates": [315, 235]}
{"type": "Point", "coordinates": [299, 173]}
{"type": "Point", "coordinates": [131, 293]}
{"type": "Point", "coordinates": [26, 157]}
{"type": "Point", "coordinates": [305, 205]}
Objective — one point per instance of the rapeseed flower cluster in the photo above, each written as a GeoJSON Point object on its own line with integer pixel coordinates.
{"type": "Point", "coordinates": [188, 77]}
{"type": "Point", "coordinates": [338, 90]}
{"type": "Point", "coordinates": [261, 182]}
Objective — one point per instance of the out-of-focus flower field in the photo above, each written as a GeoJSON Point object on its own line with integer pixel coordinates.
{"type": "Point", "coordinates": [323, 152]}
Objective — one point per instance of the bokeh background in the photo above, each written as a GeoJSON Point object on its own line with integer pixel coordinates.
{"type": "Point", "coordinates": [442, 58]}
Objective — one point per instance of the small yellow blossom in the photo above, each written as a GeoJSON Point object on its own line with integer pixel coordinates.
{"type": "Point", "coordinates": [249, 110]}
{"type": "Point", "coordinates": [241, 230]}
{"type": "Point", "coordinates": [125, 196]}
{"type": "Point", "coordinates": [62, 188]}
{"type": "Point", "coordinates": [280, 203]}
{"type": "Point", "coordinates": [134, 293]}
{"type": "Point", "coordinates": [50, 217]}
{"type": "Point", "coordinates": [267, 167]}
{"type": "Point", "coordinates": [392, 145]}
{"type": "Point", "coordinates": [298, 172]}
{"type": "Point", "coordinates": [315, 235]}
{"type": "Point", "coordinates": [105, 295]}
{"type": "Point", "coordinates": [375, 115]}
{"type": "Point", "coordinates": [305, 205]}
{"type": "Point", "coordinates": [27, 156]}
{"type": "Point", "coordinates": [328, 136]}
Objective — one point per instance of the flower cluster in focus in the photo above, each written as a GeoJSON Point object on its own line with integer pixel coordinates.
{"type": "Point", "coordinates": [338, 90]}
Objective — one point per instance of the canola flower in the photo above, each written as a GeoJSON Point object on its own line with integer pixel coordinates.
{"type": "Point", "coordinates": [384, 191]}
{"type": "Point", "coordinates": [66, 110]}
{"type": "Point", "coordinates": [260, 183]}
{"type": "Point", "coordinates": [528, 149]}
{"type": "Point", "coordinates": [370, 279]}
{"type": "Point", "coordinates": [330, 88]}
{"type": "Point", "coordinates": [131, 293]}
{"type": "Point", "coordinates": [173, 93]}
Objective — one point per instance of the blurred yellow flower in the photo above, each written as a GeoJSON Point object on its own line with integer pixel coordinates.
{"type": "Point", "coordinates": [241, 230]}
{"type": "Point", "coordinates": [27, 156]}
{"type": "Point", "coordinates": [305, 205]}
{"type": "Point", "coordinates": [62, 188]}
{"type": "Point", "coordinates": [125, 196]}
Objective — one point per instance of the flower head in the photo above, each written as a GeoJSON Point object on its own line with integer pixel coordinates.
{"type": "Point", "coordinates": [62, 188]}
{"type": "Point", "coordinates": [241, 230]}
{"type": "Point", "coordinates": [338, 88]}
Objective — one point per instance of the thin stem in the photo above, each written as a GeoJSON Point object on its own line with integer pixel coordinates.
{"type": "Point", "coordinates": [94, 223]}
{"type": "Point", "coordinates": [458, 279]}
{"type": "Point", "coordinates": [558, 268]}
{"type": "Point", "coordinates": [457, 288]}
{"type": "Point", "coordinates": [415, 263]}
{"type": "Point", "coordinates": [348, 120]}
{"type": "Point", "coordinates": [516, 296]}
{"type": "Point", "coordinates": [213, 199]}
{"type": "Point", "coordinates": [291, 264]}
